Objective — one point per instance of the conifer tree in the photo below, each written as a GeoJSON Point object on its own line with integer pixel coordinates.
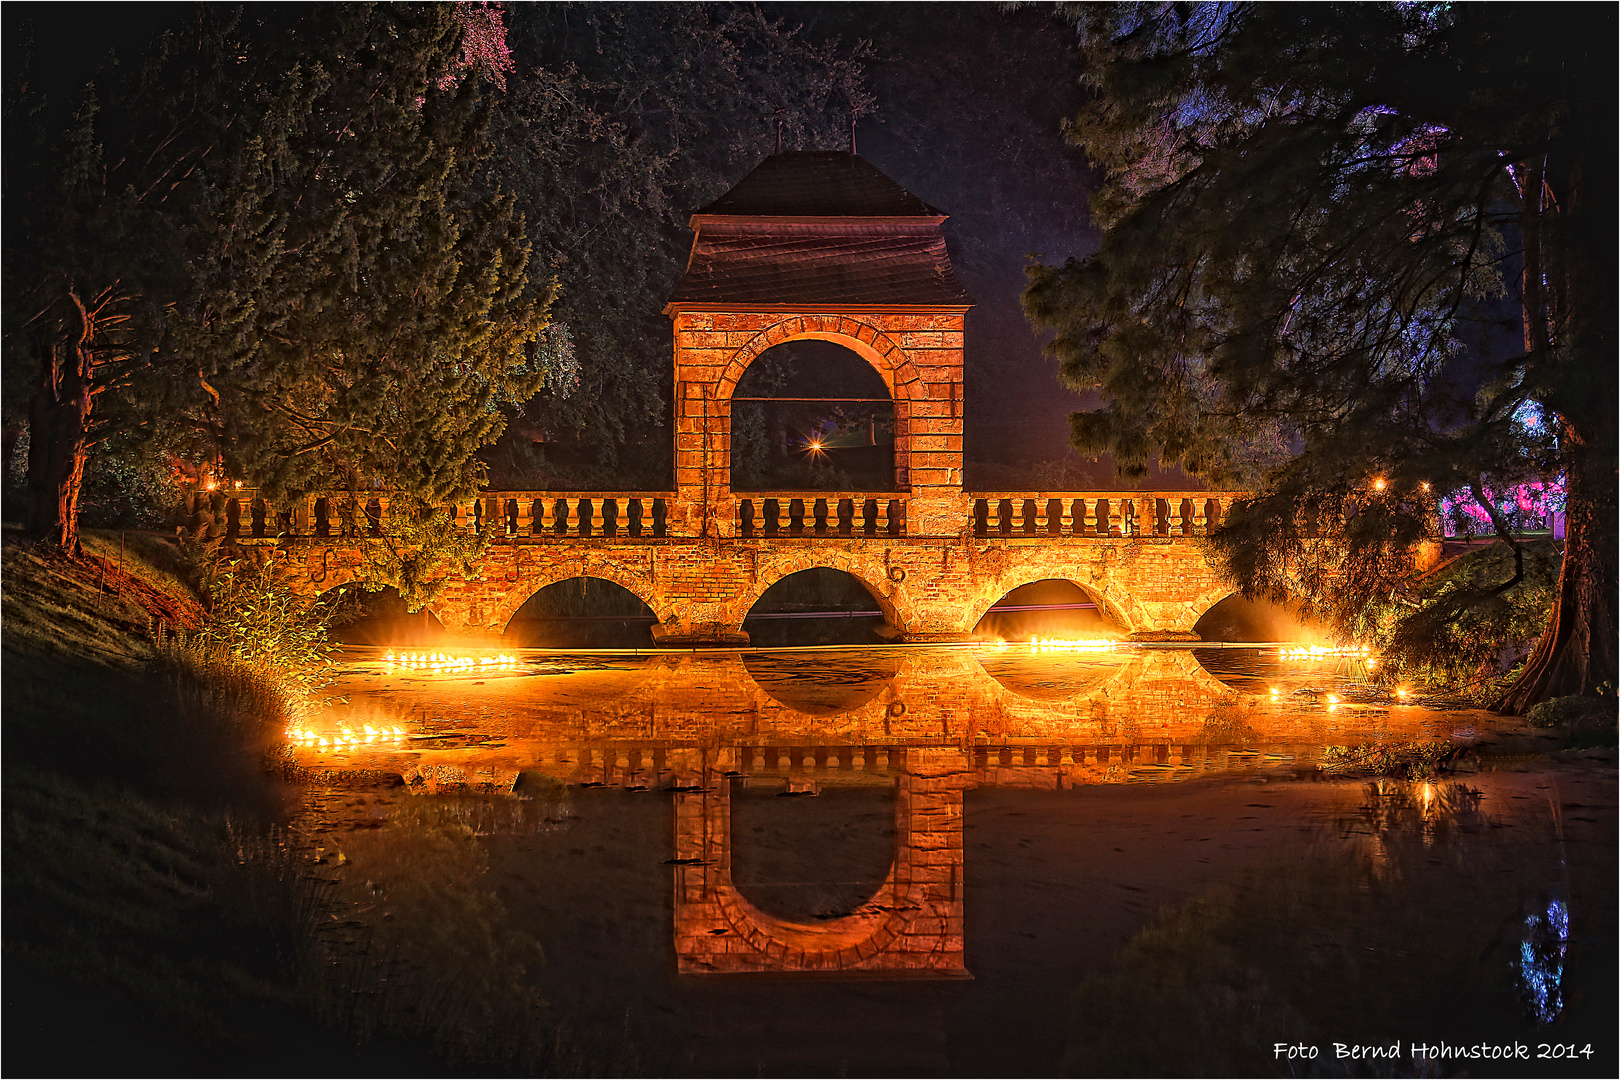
{"type": "Point", "coordinates": [1376, 242]}
{"type": "Point", "coordinates": [280, 237]}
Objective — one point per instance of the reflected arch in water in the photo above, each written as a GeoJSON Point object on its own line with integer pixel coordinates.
{"type": "Point", "coordinates": [580, 613]}
{"type": "Point", "coordinates": [1108, 617]}
{"type": "Point", "coordinates": [803, 859]}
{"type": "Point", "coordinates": [377, 618]}
{"type": "Point", "coordinates": [889, 598]}
{"type": "Point", "coordinates": [911, 927]}
{"type": "Point", "coordinates": [1055, 678]}
{"type": "Point", "coordinates": [836, 683]}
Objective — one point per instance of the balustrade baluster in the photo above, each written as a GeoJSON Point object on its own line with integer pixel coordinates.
{"type": "Point", "coordinates": [525, 517]}
{"type": "Point", "coordinates": [1200, 518]}
{"type": "Point", "coordinates": [1173, 518]}
{"type": "Point", "coordinates": [1090, 524]}
{"type": "Point", "coordinates": [820, 512]}
{"type": "Point", "coordinates": [1064, 518]}
{"type": "Point", "coordinates": [1015, 509]}
{"type": "Point", "coordinates": [1104, 515]}
{"type": "Point", "coordinates": [1127, 517]}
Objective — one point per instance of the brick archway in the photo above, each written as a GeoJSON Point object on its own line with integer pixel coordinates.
{"type": "Point", "coordinates": [911, 927]}
{"type": "Point", "coordinates": [878, 349]}
{"type": "Point", "coordinates": [507, 607]}
{"type": "Point", "coordinates": [871, 572]}
{"type": "Point", "coordinates": [1117, 609]}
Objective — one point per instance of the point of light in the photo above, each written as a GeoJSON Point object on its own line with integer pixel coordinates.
{"type": "Point", "coordinates": [1378, 484]}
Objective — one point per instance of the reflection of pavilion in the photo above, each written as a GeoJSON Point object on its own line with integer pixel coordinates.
{"type": "Point", "coordinates": [911, 928]}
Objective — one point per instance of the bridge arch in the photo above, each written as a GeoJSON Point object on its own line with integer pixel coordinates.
{"type": "Point", "coordinates": [1119, 610]}
{"type": "Point", "coordinates": [870, 571]}
{"type": "Point", "coordinates": [531, 580]}
{"type": "Point", "coordinates": [878, 349]}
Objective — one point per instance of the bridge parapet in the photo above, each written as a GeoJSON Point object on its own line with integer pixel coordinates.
{"type": "Point", "coordinates": [820, 513]}
{"type": "Point", "coordinates": [1099, 513]}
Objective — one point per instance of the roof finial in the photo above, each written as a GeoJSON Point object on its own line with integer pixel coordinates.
{"type": "Point", "coordinates": [781, 117]}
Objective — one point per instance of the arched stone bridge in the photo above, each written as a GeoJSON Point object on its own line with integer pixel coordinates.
{"type": "Point", "coordinates": [1136, 554]}
{"type": "Point", "coordinates": [822, 247]}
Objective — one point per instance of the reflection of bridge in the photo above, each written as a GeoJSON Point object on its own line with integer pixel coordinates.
{"type": "Point", "coordinates": [808, 246]}
{"type": "Point", "coordinates": [1146, 714]}
{"type": "Point", "coordinates": [930, 724]}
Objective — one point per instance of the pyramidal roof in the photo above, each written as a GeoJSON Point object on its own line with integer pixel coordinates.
{"type": "Point", "coordinates": [817, 183]}
{"type": "Point", "coordinates": [818, 229]}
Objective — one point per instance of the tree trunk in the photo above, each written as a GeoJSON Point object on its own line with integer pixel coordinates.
{"type": "Point", "coordinates": [1577, 651]}
{"type": "Point", "coordinates": [58, 441]}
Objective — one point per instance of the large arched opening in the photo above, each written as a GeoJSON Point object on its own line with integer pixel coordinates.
{"type": "Point", "coordinates": [811, 859]}
{"type": "Point", "coordinates": [817, 606]}
{"type": "Point", "coordinates": [812, 415]}
{"type": "Point", "coordinates": [583, 613]}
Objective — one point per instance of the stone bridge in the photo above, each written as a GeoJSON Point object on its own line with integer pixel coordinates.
{"type": "Point", "coordinates": [809, 246]}
{"type": "Point", "coordinates": [1136, 554]}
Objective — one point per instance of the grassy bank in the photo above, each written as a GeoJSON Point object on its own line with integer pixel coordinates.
{"type": "Point", "coordinates": [157, 917]}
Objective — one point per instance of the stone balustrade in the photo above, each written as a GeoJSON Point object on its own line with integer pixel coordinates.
{"type": "Point", "coordinates": [1098, 513]}
{"type": "Point", "coordinates": [245, 514]}
{"type": "Point", "coordinates": [819, 513]}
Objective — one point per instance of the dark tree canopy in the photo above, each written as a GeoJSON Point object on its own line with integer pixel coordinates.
{"type": "Point", "coordinates": [272, 236]}
{"type": "Point", "coordinates": [1358, 256]}
{"type": "Point", "coordinates": [619, 121]}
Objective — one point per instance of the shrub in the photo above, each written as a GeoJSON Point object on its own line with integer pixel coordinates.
{"type": "Point", "coordinates": [1575, 711]}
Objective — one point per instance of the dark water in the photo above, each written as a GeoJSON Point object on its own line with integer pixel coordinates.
{"type": "Point", "coordinates": [981, 861]}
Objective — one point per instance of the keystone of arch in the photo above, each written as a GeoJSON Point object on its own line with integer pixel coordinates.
{"type": "Point", "coordinates": [885, 355]}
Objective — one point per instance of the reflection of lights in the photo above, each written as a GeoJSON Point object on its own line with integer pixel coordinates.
{"type": "Point", "coordinates": [448, 662]}
{"type": "Point", "coordinates": [1319, 652]}
{"type": "Point", "coordinates": [1275, 693]}
{"type": "Point", "coordinates": [1052, 644]}
{"type": "Point", "coordinates": [344, 737]}
{"type": "Point", "coordinates": [1541, 960]}
{"type": "Point", "coordinates": [1333, 699]}
{"type": "Point", "coordinates": [1402, 692]}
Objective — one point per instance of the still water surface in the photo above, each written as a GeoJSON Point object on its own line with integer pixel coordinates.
{"type": "Point", "coordinates": [976, 860]}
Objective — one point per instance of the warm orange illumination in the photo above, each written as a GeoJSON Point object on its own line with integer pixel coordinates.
{"type": "Point", "coordinates": [1378, 484]}
{"type": "Point", "coordinates": [1040, 644]}
{"type": "Point", "coordinates": [447, 662]}
{"type": "Point", "coordinates": [210, 486]}
{"type": "Point", "coordinates": [1319, 652]}
{"type": "Point", "coordinates": [344, 738]}
{"type": "Point", "coordinates": [1425, 485]}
